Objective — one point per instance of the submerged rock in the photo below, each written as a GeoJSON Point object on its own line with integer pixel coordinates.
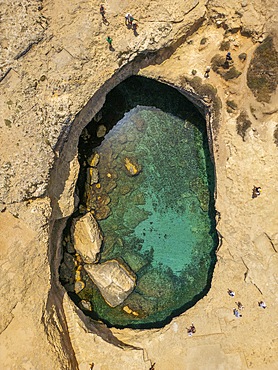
{"type": "Point", "coordinates": [87, 238]}
{"type": "Point", "coordinates": [93, 160]}
{"type": "Point", "coordinates": [101, 131]}
{"type": "Point", "coordinates": [86, 305]}
{"type": "Point", "coordinates": [92, 176]}
{"type": "Point", "coordinates": [102, 213]}
{"type": "Point", "coordinates": [129, 311]}
{"type": "Point", "coordinates": [110, 186]}
{"type": "Point", "coordinates": [67, 269]}
{"type": "Point", "coordinates": [113, 280]}
{"type": "Point", "coordinates": [78, 286]}
{"type": "Point", "coordinates": [135, 260]}
{"type": "Point", "coordinates": [132, 167]}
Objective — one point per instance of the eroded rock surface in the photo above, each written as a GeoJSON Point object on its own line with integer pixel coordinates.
{"type": "Point", "coordinates": [87, 238]}
{"type": "Point", "coordinates": [114, 281]}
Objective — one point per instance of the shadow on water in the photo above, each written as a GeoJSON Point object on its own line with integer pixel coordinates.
{"type": "Point", "coordinates": [146, 92]}
{"type": "Point", "coordinates": [138, 90]}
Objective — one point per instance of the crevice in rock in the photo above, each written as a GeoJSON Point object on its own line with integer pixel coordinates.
{"type": "Point", "coordinates": [28, 48]}
{"type": "Point", "coordinates": [54, 305]}
{"type": "Point", "coordinates": [247, 270]}
{"type": "Point", "coordinates": [68, 147]}
{"type": "Point", "coordinates": [6, 325]}
{"type": "Point", "coordinates": [270, 241]}
{"type": "Point", "coordinates": [220, 241]}
{"type": "Point", "coordinates": [256, 286]}
{"type": "Point", "coordinates": [5, 74]}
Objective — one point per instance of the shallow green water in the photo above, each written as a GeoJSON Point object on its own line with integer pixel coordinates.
{"type": "Point", "coordinates": [161, 223]}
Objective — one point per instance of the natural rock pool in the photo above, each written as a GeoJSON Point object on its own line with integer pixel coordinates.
{"type": "Point", "coordinates": [147, 177]}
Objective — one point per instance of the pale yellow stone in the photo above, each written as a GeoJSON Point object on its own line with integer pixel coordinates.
{"type": "Point", "coordinates": [131, 167]}
{"type": "Point", "coordinates": [68, 199]}
{"type": "Point", "coordinates": [79, 286]}
{"type": "Point", "coordinates": [87, 238]}
{"type": "Point", "coordinates": [114, 281]}
{"type": "Point", "coordinates": [129, 311]}
{"type": "Point", "coordinates": [93, 160]}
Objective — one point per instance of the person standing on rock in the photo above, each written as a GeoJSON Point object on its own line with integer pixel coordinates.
{"type": "Point", "coordinates": [207, 71]}
{"type": "Point", "coordinates": [229, 61]}
{"type": "Point", "coordinates": [231, 293]}
{"type": "Point", "coordinates": [102, 11]}
{"type": "Point", "coordinates": [109, 40]}
{"type": "Point", "coordinates": [229, 57]}
{"type": "Point", "coordinates": [240, 305]}
{"type": "Point", "coordinates": [236, 313]}
{"type": "Point", "coordinates": [262, 304]}
{"type": "Point", "coordinates": [128, 20]}
{"type": "Point", "coordinates": [134, 27]}
{"type": "Point", "coordinates": [256, 191]}
{"type": "Point", "coordinates": [191, 330]}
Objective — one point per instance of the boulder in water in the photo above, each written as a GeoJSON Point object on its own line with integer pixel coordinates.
{"type": "Point", "coordinates": [87, 238]}
{"type": "Point", "coordinates": [101, 131]}
{"type": "Point", "coordinates": [132, 167]}
{"type": "Point", "coordinates": [113, 280]}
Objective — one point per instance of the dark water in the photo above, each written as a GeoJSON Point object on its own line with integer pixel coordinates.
{"type": "Point", "coordinates": [161, 221]}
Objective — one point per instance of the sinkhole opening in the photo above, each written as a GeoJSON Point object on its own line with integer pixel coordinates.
{"type": "Point", "coordinates": [140, 249]}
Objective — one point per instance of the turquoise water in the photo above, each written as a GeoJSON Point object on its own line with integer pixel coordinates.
{"type": "Point", "coordinates": [164, 230]}
{"type": "Point", "coordinates": [160, 223]}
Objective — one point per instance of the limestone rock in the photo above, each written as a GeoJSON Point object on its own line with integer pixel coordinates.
{"type": "Point", "coordinates": [101, 131]}
{"type": "Point", "coordinates": [264, 245]}
{"type": "Point", "coordinates": [78, 286]}
{"type": "Point", "coordinates": [86, 305]}
{"type": "Point", "coordinates": [68, 199]}
{"type": "Point", "coordinates": [114, 281]}
{"type": "Point", "coordinates": [67, 269]}
{"type": "Point", "coordinates": [130, 311]}
{"type": "Point", "coordinates": [102, 213]}
{"type": "Point", "coordinates": [92, 175]}
{"type": "Point", "coordinates": [132, 167]}
{"type": "Point", "coordinates": [87, 238]}
{"type": "Point", "coordinates": [93, 160]}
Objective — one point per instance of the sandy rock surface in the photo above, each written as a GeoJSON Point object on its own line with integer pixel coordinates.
{"type": "Point", "coordinates": [55, 70]}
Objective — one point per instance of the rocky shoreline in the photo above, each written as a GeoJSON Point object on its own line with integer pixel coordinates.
{"type": "Point", "coordinates": [56, 70]}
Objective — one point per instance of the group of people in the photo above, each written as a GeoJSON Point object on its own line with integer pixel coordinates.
{"type": "Point", "coordinates": [130, 22]}
{"type": "Point", "coordinates": [240, 306]}
{"type": "Point", "coordinates": [236, 311]}
{"type": "Point", "coordinates": [108, 38]}
{"type": "Point", "coordinates": [228, 61]}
